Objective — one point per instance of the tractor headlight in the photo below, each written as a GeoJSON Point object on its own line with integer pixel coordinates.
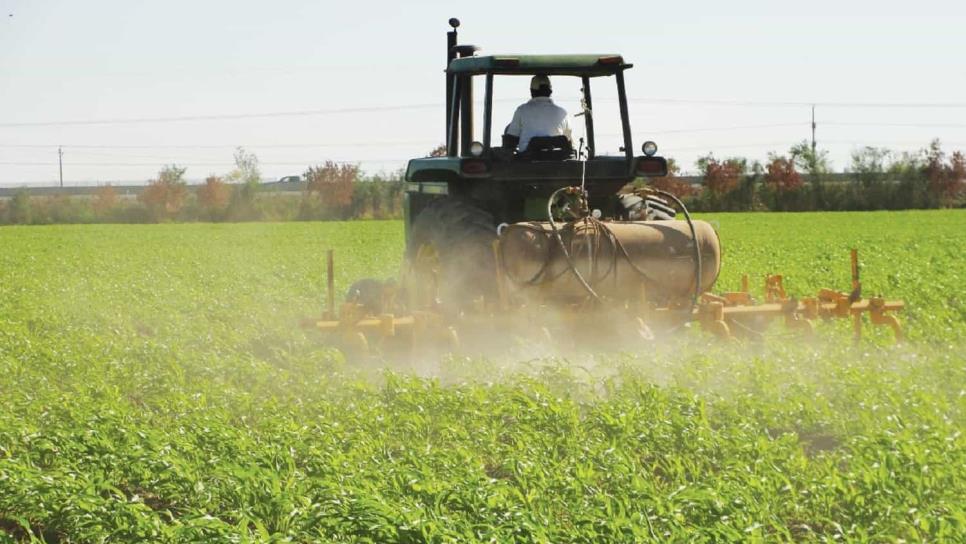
{"type": "Point", "coordinates": [649, 148]}
{"type": "Point", "coordinates": [476, 149]}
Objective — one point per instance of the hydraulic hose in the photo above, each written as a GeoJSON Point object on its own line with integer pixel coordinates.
{"type": "Point", "coordinates": [563, 246]}
{"type": "Point", "coordinates": [601, 227]}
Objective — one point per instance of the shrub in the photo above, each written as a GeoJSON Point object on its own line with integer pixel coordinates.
{"type": "Point", "coordinates": [721, 177]}
{"type": "Point", "coordinates": [781, 175]}
{"type": "Point", "coordinates": [214, 197]}
{"type": "Point", "coordinates": [105, 200]}
{"type": "Point", "coordinates": [59, 209]}
{"type": "Point", "coordinates": [20, 211]}
{"type": "Point", "coordinates": [248, 177]}
{"type": "Point", "coordinates": [165, 196]}
{"type": "Point", "coordinates": [671, 182]}
{"type": "Point", "coordinates": [388, 190]}
{"type": "Point", "coordinates": [945, 179]}
{"type": "Point", "coordinates": [331, 185]}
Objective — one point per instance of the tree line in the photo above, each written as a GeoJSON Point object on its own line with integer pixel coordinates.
{"type": "Point", "coordinates": [332, 191]}
{"type": "Point", "coordinates": [799, 180]}
{"type": "Point", "coordinates": [802, 180]}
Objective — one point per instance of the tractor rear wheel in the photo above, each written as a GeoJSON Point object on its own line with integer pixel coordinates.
{"type": "Point", "coordinates": [460, 235]}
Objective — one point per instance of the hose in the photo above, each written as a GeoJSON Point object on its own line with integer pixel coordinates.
{"type": "Point", "coordinates": [600, 227]}
{"type": "Point", "coordinates": [537, 276]}
{"type": "Point", "coordinates": [563, 247]}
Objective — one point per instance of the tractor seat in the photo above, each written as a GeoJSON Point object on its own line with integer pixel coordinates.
{"type": "Point", "coordinates": [547, 148]}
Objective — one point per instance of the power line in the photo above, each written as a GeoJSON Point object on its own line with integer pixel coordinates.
{"type": "Point", "coordinates": [195, 163]}
{"type": "Point", "coordinates": [891, 142]}
{"type": "Point", "coordinates": [718, 129]}
{"type": "Point", "coordinates": [378, 109]}
{"type": "Point", "coordinates": [434, 142]}
{"type": "Point", "coordinates": [224, 146]}
{"type": "Point", "coordinates": [773, 145]}
{"type": "Point", "coordinates": [169, 157]}
{"type": "Point", "coordinates": [902, 125]}
{"type": "Point", "coordinates": [730, 146]}
{"type": "Point", "coordinates": [224, 117]}
{"type": "Point", "coordinates": [233, 116]}
{"type": "Point", "coordinates": [126, 156]}
{"type": "Point", "coordinates": [750, 103]}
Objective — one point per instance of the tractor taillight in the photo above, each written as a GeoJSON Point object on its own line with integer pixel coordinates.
{"type": "Point", "coordinates": [472, 167]}
{"type": "Point", "coordinates": [655, 167]}
{"type": "Point", "coordinates": [614, 59]}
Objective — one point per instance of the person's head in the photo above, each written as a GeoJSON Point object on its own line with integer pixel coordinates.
{"type": "Point", "coordinates": [540, 86]}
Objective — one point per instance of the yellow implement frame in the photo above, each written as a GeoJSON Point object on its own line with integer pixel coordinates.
{"type": "Point", "coordinates": [728, 315]}
{"type": "Point", "coordinates": [724, 315]}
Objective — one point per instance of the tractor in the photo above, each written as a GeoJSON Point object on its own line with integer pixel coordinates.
{"type": "Point", "coordinates": [553, 242]}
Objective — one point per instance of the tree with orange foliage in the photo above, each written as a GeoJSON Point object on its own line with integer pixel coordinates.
{"type": "Point", "coordinates": [165, 196]}
{"type": "Point", "coordinates": [781, 175]}
{"type": "Point", "coordinates": [214, 195]}
{"type": "Point", "coordinates": [332, 184]}
{"type": "Point", "coordinates": [104, 200]}
{"type": "Point", "coordinates": [721, 177]}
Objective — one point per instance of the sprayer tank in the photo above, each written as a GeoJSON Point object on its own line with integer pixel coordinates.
{"type": "Point", "coordinates": [620, 260]}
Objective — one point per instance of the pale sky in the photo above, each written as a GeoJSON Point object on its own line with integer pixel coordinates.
{"type": "Point", "coordinates": [732, 77]}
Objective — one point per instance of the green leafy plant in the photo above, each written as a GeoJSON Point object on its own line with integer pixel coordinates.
{"type": "Point", "coordinates": [154, 387]}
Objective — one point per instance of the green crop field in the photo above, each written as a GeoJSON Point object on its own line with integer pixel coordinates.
{"type": "Point", "coordinates": [155, 387]}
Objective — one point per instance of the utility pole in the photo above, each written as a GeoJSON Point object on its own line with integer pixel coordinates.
{"type": "Point", "coordinates": [60, 162]}
{"type": "Point", "coordinates": [813, 130]}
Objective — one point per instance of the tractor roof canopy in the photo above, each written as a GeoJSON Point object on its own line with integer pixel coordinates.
{"type": "Point", "coordinates": [571, 65]}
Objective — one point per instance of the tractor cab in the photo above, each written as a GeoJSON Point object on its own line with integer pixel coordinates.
{"type": "Point", "coordinates": [481, 165]}
{"type": "Point", "coordinates": [583, 69]}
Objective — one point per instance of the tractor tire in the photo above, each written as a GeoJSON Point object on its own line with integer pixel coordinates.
{"type": "Point", "coordinates": [647, 208]}
{"type": "Point", "coordinates": [461, 234]}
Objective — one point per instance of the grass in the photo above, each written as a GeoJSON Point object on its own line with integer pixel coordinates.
{"type": "Point", "coordinates": [154, 386]}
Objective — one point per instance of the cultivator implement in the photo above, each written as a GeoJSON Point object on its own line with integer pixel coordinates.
{"type": "Point", "coordinates": [728, 314]}
{"type": "Point", "coordinates": [603, 283]}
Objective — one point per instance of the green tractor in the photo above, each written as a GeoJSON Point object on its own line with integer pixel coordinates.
{"type": "Point", "coordinates": [551, 245]}
{"type": "Point", "coordinates": [455, 202]}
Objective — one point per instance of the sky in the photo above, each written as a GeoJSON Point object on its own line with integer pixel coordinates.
{"type": "Point", "coordinates": [111, 82]}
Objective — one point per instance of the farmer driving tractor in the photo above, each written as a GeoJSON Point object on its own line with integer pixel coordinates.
{"type": "Point", "coordinates": [538, 117]}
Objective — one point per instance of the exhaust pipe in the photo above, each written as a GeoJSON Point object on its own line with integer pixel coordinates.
{"type": "Point", "coordinates": [450, 55]}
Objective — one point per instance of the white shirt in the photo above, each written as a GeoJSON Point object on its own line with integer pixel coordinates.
{"type": "Point", "coordinates": [538, 117]}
